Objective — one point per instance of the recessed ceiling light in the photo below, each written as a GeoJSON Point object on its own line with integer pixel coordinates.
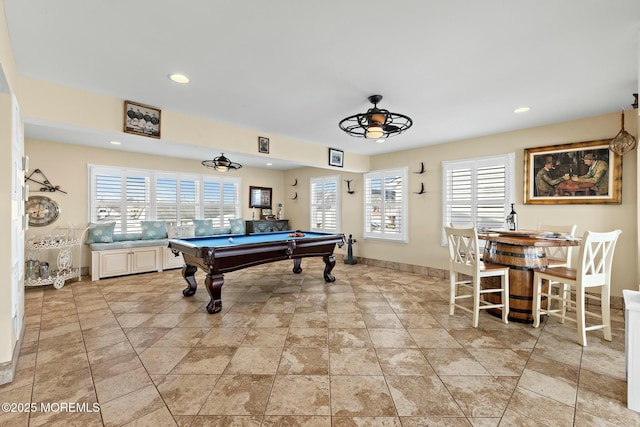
{"type": "Point", "coordinates": [380, 140]}
{"type": "Point", "coordinates": [179, 78]}
{"type": "Point", "coordinates": [269, 164]}
{"type": "Point", "coordinates": [115, 142]}
{"type": "Point", "coordinates": [521, 110]}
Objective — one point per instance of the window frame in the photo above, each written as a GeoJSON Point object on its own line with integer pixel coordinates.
{"type": "Point", "coordinates": [506, 160]}
{"type": "Point", "coordinates": [151, 204]}
{"type": "Point", "coordinates": [402, 235]}
{"type": "Point", "coordinates": [334, 179]}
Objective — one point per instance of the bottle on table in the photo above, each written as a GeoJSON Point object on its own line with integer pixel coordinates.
{"type": "Point", "coordinates": [512, 219]}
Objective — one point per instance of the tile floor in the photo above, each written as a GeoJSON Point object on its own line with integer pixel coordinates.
{"type": "Point", "coordinates": [375, 348]}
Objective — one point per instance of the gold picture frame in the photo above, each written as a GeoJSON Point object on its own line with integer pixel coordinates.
{"type": "Point", "coordinates": [576, 173]}
{"type": "Point", "coordinates": [140, 119]}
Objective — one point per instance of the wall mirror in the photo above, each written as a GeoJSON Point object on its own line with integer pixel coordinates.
{"type": "Point", "coordinates": [260, 197]}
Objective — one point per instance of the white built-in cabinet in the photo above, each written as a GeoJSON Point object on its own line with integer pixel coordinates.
{"type": "Point", "coordinates": [120, 262]}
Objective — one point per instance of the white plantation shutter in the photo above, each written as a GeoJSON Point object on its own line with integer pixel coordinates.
{"type": "Point", "coordinates": [163, 196]}
{"type": "Point", "coordinates": [222, 200]}
{"type": "Point", "coordinates": [325, 204]}
{"type": "Point", "coordinates": [385, 204]}
{"type": "Point", "coordinates": [477, 191]}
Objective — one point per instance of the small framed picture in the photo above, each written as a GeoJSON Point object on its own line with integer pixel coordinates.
{"type": "Point", "coordinates": [263, 145]}
{"type": "Point", "coordinates": [336, 157]}
{"type": "Point", "coordinates": [141, 119]}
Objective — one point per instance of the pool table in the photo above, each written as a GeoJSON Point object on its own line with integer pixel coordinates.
{"type": "Point", "coordinates": [217, 255]}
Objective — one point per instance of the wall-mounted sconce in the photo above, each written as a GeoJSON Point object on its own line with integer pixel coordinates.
{"type": "Point", "coordinates": [421, 189]}
{"type": "Point", "coordinates": [422, 170]}
{"type": "Point", "coordinates": [295, 196]}
{"type": "Point", "coordinates": [295, 182]}
{"type": "Point", "coordinates": [349, 190]}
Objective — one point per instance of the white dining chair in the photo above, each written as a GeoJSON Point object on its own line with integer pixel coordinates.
{"type": "Point", "coordinates": [559, 256]}
{"type": "Point", "coordinates": [570, 286]}
{"type": "Point", "coordinates": [464, 260]}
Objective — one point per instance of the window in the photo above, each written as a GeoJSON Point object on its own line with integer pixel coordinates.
{"type": "Point", "coordinates": [477, 191]}
{"type": "Point", "coordinates": [325, 204]}
{"type": "Point", "coordinates": [129, 196]}
{"type": "Point", "coordinates": [385, 204]}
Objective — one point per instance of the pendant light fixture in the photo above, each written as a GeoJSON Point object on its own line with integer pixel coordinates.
{"type": "Point", "coordinates": [376, 123]}
{"type": "Point", "coordinates": [623, 142]}
{"type": "Point", "coordinates": [221, 164]}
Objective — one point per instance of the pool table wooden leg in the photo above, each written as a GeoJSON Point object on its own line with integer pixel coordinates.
{"type": "Point", "coordinates": [188, 272]}
{"type": "Point", "coordinates": [214, 287]}
{"type": "Point", "coordinates": [297, 265]}
{"type": "Point", "coordinates": [329, 263]}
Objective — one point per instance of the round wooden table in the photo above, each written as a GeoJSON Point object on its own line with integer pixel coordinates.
{"type": "Point", "coordinates": [523, 254]}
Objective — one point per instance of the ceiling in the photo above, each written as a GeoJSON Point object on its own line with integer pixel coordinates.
{"type": "Point", "coordinates": [294, 68]}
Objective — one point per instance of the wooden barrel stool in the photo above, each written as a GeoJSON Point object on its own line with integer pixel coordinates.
{"type": "Point", "coordinates": [522, 261]}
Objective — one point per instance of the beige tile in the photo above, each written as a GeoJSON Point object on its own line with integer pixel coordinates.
{"type": "Point", "coordinates": [307, 337]}
{"type": "Point", "coordinates": [161, 360]}
{"type": "Point", "coordinates": [478, 396]}
{"type": "Point", "coordinates": [603, 408]}
{"type": "Point", "coordinates": [304, 361]}
{"type": "Point", "coordinates": [452, 361]}
{"type": "Point", "coordinates": [433, 338]}
{"type": "Point", "coordinates": [254, 360]}
{"type": "Point", "coordinates": [185, 394]}
{"type": "Point", "coordinates": [391, 338]}
{"type": "Point", "coordinates": [181, 337]}
{"type": "Point", "coordinates": [226, 421]}
{"type": "Point", "coordinates": [238, 395]}
{"type": "Point", "coordinates": [221, 337]}
{"type": "Point", "coordinates": [422, 396]}
{"type": "Point", "coordinates": [107, 353]}
{"type": "Point", "coordinates": [353, 396]}
{"type": "Point", "coordinates": [265, 337]}
{"type": "Point", "coordinates": [299, 395]}
{"type": "Point", "coordinates": [382, 320]}
{"type": "Point", "coordinates": [403, 361]}
{"type": "Point", "coordinates": [354, 361]}
{"type": "Point", "coordinates": [309, 320]}
{"type": "Point", "coordinates": [205, 361]}
{"type": "Point", "coordinates": [131, 407]}
{"type": "Point", "coordinates": [499, 362]}
{"type": "Point", "coordinates": [539, 408]}
{"type": "Point", "coordinates": [349, 337]}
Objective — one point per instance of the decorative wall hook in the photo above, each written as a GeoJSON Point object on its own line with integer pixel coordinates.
{"type": "Point", "coordinates": [295, 182]}
{"type": "Point", "coordinates": [295, 196]}
{"type": "Point", "coordinates": [421, 171]}
{"type": "Point", "coordinates": [349, 190]}
{"type": "Point", "coordinates": [45, 181]}
{"type": "Point", "coordinates": [421, 189]}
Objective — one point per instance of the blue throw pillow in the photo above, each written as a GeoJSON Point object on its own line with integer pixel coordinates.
{"type": "Point", "coordinates": [237, 225]}
{"type": "Point", "coordinates": [101, 233]}
{"type": "Point", "coordinates": [153, 230]}
{"type": "Point", "coordinates": [203, 227]}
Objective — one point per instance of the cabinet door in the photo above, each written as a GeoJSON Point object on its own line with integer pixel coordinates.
{"type": "Point", "coordinates": [146, 259]}
{"type": "Point", "coordinates": [261, 226]}
{"type": "Point", "coordinates": [114, 263]}
{"type": "Point", "coordinates": [172, 261]}
{"type": "Point", "coordinates": [281, 225]}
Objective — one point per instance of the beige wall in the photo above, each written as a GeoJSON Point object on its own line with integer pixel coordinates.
{"type": "Point", "coordinates": [66, 165]}
{"type": "Point", "coordinates": [425, 216]}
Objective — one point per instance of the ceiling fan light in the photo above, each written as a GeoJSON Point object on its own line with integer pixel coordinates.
{"type": "Point", "coordinates": [377, 118]}
{"type": "Point", "coordinates": [375, 123]}
{"type": "Point", "coordinates": [221, 164]}
{"type": "Point", "coordinates": [374, 132]}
